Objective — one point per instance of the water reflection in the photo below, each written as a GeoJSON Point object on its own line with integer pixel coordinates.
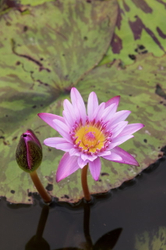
{"type": "Point", "coordinates": [138, 208]}
{"type": "Point", "coordinates": [106, 242]}
{"type": "Point", "coordinates": [37, 242]}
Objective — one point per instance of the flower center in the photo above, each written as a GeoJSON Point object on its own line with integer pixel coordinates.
{"type": "Point", "coordinates": [90, 138]}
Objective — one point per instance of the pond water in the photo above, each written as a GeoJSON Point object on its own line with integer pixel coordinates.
{"type": "Point", "coordinates": [135, 210]}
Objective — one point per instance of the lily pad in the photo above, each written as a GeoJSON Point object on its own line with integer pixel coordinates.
{"type": "Point", "coordinates": [155, 239]}
{"type": "Point", "coordinates": [139, 29]}
{"type": "Point", "coordinates": [43, 52]}
{"type": "Point", "coordinates": [137, 86]}
{"type": "Point", "coordinates": [65, 44]}
{"type": "Point", "coordinates": [35, 2]}
{"type": "Point", "coordinates": [39, 66]}
{"type": "Point", "coordinates": [6, 5]}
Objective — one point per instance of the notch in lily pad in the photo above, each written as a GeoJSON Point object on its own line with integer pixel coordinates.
{"type": "Point", "coordinates": [29, 158]}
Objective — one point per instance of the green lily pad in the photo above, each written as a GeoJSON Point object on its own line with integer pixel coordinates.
{"type": "Point", "coordinates": [65, 44]}
{"type": "Point", "coordinates": [38, 68]}
{"type": "Point", "coordinates": [137, 85]}
{"type": "Point", "coordinates": [35, 2]}
{"type": "Point", "coordinates": [42, 54]}
{"type": "Point", "coordinates": [6, 5]}
{"type": "Point", "coordinates": [139, 29]}
{"type": "Point", "coordinates": [38, 60]}
{"type": "Point", "coordinates": [155, 239]}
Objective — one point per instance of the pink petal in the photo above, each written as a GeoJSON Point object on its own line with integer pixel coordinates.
{"type": "Point", "coordinates": [68, 113]}
{"type": "Point", "coordinates": [67, 166]}
{"type": "Point", "coordinates": [81, 163]}
{"type": "Point", "coordinates": [78, 104]}
{"type": "Point", "coordinates": [86, 157]}
{"type": "Point", "coordinates": [113, 157]}
{"type": "Point", "coordinates": [48, 118]}
{"type": "Point", "coordinates": [131, 128]}
{"type": "Point", "coordinates": [114, 100]}
{"type": "Point", "coordinates": [58, 143]}
{"type": "Point", "coordinates": [119, 140]}
{"type": "Point", "coordinates": [30, 136]}
{"type": "Point", "coordinates": [92, 105]}
{"type": "Point", "coordinates": [102, 154]}
{"type": "Point", "coordinates": [109, 112]}
{"type": "Point", "coordinates": [62, 129]}
{"type": "Point", "coordinates": [95, 167]}
{"type": "Point", "coordinates": [99, 111]}
{"type": "Point", "coordinates": [117, 128]}
{"type": "Point", "coordinates": [121, 156]}
{"type": "Point", "coordinates": [119, 116]}
{"type": "Point", "coordinates": [74, 152]}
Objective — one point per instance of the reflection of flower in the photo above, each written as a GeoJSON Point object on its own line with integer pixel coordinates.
{"type": "Point", "coordinates": [87, 137]}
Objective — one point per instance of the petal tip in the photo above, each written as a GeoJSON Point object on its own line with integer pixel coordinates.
{"type": "Point", "coordinates": [74, 90]}
{"type": "Point", "coordinates": [114, 99]}
{"type": "Point", "coordinates": [57, 179]}
{"type": "Point", "coordinates": [40, 114]}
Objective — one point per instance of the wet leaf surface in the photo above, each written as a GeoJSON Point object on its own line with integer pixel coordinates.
{"type": "Point", "coordinates": [57, 51]}
{"type": "Point", "coordinates": [42, 56]}
{"type": "Point", "coordinates": [137, 85]}
{"type": "Point", "coordinates": [40, 61]}
{"type": "Point", "coordinates": [139, 29]}
{"type": "Point", "coordinates": [154, 239]}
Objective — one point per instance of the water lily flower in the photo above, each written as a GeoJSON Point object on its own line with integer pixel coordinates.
{"type": "Point", "coordinates": [87, 136]}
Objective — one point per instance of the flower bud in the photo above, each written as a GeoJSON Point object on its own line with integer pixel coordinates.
{"type": "Point", "coordinates": [29, 152]}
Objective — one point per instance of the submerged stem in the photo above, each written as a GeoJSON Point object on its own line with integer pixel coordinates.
{"type": "Point", "coordinates": [87, 225]}
{"type": "Point", "coordinates": [45, 196]}
{"type": "Point", "coordinates": [42, 222]}
{"type": "Point", "coordinates": [84, 183]}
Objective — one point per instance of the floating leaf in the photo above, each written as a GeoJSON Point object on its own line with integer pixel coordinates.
{"type": "Point", "coordinates": [34, 2]}
{"type": "Point", "coordinates": [43, 52]}
{"type": "Point", "coordinates": [7, 5]}
{"type": "Point", "coordinates": [155, 239]}
{"type": "Point", "coordinates": [137, 86]}
{"type": "Point", "coordinates": [63, 45]}
{"type": "Point", "coordinates": [139, 29]}
{"type": "Point", "coordinates": [38, 68]}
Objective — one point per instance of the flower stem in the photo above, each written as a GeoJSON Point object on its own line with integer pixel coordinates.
{"type": "Point", "coordinates": [45, 196]}
{"type": "Point", "coordinates": [84, 183]}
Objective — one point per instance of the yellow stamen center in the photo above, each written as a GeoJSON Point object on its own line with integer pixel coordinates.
{"type": "Point", "coordinates": [90, 138]}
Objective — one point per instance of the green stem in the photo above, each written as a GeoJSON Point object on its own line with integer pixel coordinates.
{"type": "Point", "coordinates": [45, 196]}
{"type": "Point", "coordinates": [84, 183]}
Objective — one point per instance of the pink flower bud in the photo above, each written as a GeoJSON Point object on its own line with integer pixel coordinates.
{"type": "Point", "coordinates": [29, 152]}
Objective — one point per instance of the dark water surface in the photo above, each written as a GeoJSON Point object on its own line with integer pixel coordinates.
{"type": "Point", "coordinates": [115, 218]}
